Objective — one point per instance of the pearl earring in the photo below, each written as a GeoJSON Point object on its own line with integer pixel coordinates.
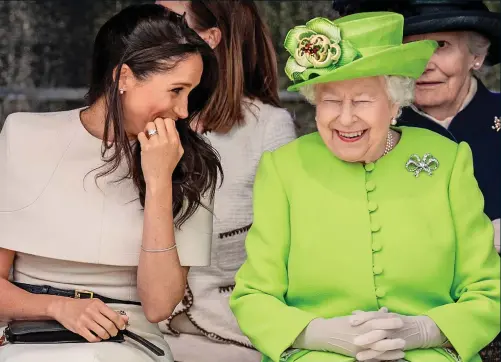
{"type": "Point", "coordinates": [477, 65]}
{"type": "Point", "coordinates": [122, 91]}
{"type": "Point", "coordinates": [393, 121]}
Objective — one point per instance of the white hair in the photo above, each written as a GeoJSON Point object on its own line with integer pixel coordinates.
{"type": "Point", "coordinates": [400, 91]}
{"type": "Point", "coordinates": [478, 45]}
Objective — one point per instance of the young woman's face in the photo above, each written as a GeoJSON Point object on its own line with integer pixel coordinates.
{"type": "Point", "coordinates": [163, 95]}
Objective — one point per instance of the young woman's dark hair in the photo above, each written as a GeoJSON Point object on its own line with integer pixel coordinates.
{"type": "Point", "coordinates": [246, 56]}
{"type": "Point", "coordinates": [150, 39]}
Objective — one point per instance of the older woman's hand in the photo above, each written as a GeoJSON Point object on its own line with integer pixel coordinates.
{"type": "Point", "coordinates": [339, 335]}
{"type": "Point", "coordinates": [417, 332]}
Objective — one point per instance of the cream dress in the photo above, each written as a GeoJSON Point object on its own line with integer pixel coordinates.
{"type": "Point", "coordinates": [70, 232]}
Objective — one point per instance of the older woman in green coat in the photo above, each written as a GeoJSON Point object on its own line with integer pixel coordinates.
{"type": "Point", "coordinates": [369, 241]}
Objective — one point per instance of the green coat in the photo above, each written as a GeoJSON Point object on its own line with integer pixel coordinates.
{"type": "Point", "coordinates": [330, 237]}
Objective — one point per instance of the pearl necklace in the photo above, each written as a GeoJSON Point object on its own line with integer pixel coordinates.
{"type": "Point", "coordinates": [389, 143]}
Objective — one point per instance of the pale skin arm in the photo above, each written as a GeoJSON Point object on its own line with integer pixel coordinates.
{"type": "Point", "coordinates": [78, 315]}
{"type": "Point", "coordinates": [16, 303]}
{"type": "Point", "coordinates": [161, 280]}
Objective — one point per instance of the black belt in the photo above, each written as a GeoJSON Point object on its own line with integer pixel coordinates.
{"type": "Point", "coordinates": [76, 294]}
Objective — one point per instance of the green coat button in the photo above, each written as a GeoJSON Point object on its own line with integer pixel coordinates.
{"type": "Point", "coordinates": [372, 206]}
{"type": "Point", "coordinates": [375, 226]}
{"type": "Point", "coordinates": [369, 166]}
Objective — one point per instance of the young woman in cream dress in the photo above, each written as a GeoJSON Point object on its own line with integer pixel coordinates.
{"type": "Point", "coordinates": [126, 231]}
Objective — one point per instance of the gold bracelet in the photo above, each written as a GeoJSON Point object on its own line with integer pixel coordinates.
{"type": "Point", "coordinates": [159, 250]}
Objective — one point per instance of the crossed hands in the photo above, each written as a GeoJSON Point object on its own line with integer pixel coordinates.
{"type": "Point", "coordinates": [371, 336]}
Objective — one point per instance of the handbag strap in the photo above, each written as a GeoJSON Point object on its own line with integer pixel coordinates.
{"type": "Point", "coordinates": [144, 342]}
{"type": "Point", "coordinates": [76, 293]}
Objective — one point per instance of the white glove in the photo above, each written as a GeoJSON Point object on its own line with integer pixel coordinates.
{"type": "Point", "coordinates": [338, 335]}
{"type": "Point", "coordinates": [420, 332]}
{"type": "Point", "coordinates": [417, 332]}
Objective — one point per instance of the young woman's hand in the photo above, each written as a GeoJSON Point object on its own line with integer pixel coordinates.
{"type": "Point", "coordinates": [90, 318]}
{"type": "Point", "coordinates": [160, 152]}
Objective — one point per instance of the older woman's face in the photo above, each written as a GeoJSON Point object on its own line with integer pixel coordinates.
{"type": "Point", "coordinates": [353, 117]}
{"type": "Point", "coordinates": [447, 71]}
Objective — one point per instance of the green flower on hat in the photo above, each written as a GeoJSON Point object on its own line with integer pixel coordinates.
{"type": "Point", "coordinates": [316, 48]}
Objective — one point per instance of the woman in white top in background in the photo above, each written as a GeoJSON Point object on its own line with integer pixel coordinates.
{"type": "Point", "coordinates": [244, 119]}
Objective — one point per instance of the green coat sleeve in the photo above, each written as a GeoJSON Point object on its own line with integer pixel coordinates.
{"type": "Point", "coordinates": [261, 283]}
{"type": "Point", "coordinates": [473, 321]}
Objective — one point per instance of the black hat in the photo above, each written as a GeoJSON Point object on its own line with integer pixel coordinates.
{"type": "Point", "coordinates": [430, 16]}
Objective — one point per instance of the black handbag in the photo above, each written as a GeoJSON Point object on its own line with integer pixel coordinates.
{"type": "Point", "coordinates": [51, 331]}
{"type": "Point", "coordinates": [46, 331]}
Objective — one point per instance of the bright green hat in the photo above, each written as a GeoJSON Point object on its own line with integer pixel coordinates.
{"type": "Point", "coordinates": [354, 46]}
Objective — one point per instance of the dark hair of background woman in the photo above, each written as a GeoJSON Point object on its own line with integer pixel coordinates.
{"type": "Point", "coordinates": [150, 39]}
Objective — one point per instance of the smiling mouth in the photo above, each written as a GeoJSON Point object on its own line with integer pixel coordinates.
{"type": "Point", "coordinates": [350, 136]}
